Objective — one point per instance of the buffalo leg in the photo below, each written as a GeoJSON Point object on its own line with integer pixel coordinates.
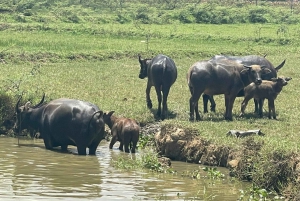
{"type": "Point", "coordinates": [149, 102]}
{"type": "Point", "coordinates": [134, 143]}
{"type": "Point", "coordinates": [205, 103]}
{"type": "Point", "coordinates": [93, 147]}
{"type": "Point", "coordinates": [47, 141]}
{"type": "Point", "coordinates": [193, 106]}
{"type": "Point", "coordinates": [229, 101]}
{"type": "Point", "coordinates": [260, 107]}
{"type": "Point", "coordinates": [256, 107]}
{"type": "Point", "coordinates": [126, 145]}
{"type": "Point", "coordinates": [159, 98]}
{"type": "Point", "coordinates": [272, 109]}
{"type": "Point", "coordinates": [166, 90]}
{"type": "Point", "coordinates": [244, 105]}
{"type": "Point", "coordinates": [81, 150]}
{"type": "Point", "coordinates": [121, 145]}
{"type": "Point", "coordinates": [113, 141]}
{"type": "Point", "coordinates": [64, 148]}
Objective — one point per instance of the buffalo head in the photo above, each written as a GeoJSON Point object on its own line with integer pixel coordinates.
{"type": "Point", "coordinates": [144, 67]}
{"type": "Point", "coordinates": [23, 114]}
{"type": "Point", "coordinates": [282, 81]}
{"type": "Point", "coordinates": [255, 72]}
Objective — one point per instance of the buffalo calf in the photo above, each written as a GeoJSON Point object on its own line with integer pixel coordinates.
{"type": "Point", "coordinates": [124, 130]}
{"type": "Point", "coordinates": [266, 90]}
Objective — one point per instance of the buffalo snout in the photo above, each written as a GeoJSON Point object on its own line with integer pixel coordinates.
{"type": "Point", "coordinates": [258, 81]}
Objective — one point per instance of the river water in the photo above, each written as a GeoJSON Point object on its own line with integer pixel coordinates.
{"type": "Point", "coordinates": [30, 172]}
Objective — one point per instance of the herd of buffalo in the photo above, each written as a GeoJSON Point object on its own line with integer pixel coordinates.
{"type": "Point", "coordinates": [64, 122]}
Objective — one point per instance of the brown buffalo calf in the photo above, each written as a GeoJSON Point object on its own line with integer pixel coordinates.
{"type": "Point", "coordinates": [266, 90]}
{"type": "Point", "coordinates": [124, 130]}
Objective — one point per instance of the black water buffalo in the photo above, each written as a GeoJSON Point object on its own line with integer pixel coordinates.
{"type": "Point", "coordinates": [162, 73]}
{"type": "Point", "coordinates": [246, 60]}
{"type": "Point", "coordinates": [225, 77]}
{"type": "Point", "coordinates": [63, 122]}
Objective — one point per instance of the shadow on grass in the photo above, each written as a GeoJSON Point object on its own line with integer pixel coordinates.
{"type": "Point", "coordinates": [170, 114]}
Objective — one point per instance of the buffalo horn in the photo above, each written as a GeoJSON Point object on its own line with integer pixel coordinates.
{"type": "Point", "coordinates": [280, 66]}
{"type": "Point", "coordinates": [41, 102]}
{"type": "Point", "coordinates": [17, 105]}
{"type": "Point", "coordinates": [140, 58]}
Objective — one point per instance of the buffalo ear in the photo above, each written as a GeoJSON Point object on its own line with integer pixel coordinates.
{"type": "Point", "coordinates": [266, 70]}
{"type": "Point", "coordinates": [288, 78]}
{"type": "Point", "coordinates": [27, 106]}
{"type": "Point", "coordinates": [246, 69]}
{"type": "Point", "coordinates": [110, 113]}
{"type": "Point", "coordinates": [100, 114]}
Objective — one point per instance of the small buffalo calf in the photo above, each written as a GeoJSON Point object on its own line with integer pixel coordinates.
{"type": "Point", "coordinates": [124, 130]}
{"type": "Point", "coordinates": [266, 90]}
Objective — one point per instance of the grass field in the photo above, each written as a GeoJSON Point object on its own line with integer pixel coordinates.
{"type": "Point", "coordinates": [99, 63]}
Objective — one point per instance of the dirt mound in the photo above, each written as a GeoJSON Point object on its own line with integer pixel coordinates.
{"type": "Point", "coordinates": [183, 145]}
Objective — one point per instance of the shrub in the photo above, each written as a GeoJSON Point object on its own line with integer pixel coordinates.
{"type": "Point", "coordinates": [257, 15]}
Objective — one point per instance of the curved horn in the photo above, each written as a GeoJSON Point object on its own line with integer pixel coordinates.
{"type": "Point", "coordinates": [140, 58]}
{"type": "Point", "coordinates": [280, 66]}
{"type": "Point", "coordinates": [41, 102]}
{"type": "Point", "coordinates": [17, 105]}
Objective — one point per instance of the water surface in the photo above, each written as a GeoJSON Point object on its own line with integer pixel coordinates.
{"type": "Point", "coordinates": [30, 172]}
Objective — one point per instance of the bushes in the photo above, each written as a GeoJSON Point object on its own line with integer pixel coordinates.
{"type": "Point", "coordinates": [211, 12]}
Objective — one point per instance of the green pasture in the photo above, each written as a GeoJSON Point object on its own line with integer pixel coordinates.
{"type": "Point", "coordinates": [83, 52]}
{"type": "Point", "coordinates": [104, 68]}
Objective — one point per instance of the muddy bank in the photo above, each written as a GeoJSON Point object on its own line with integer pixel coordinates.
{"type": "Point", "coordinates": [277, 171]}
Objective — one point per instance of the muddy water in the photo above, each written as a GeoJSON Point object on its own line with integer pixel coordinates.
{"type": "Point", "coordinates": [30, 172]}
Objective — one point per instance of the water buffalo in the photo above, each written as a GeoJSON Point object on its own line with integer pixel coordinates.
{"type": "Point", "coordinates": [63, 122]}
{"type": "Point", "coordinates": [162, 73]}
{"type": "Point", "coordinates": [246, 60]}
{"type": "Point", "coordinates": [226, 77]}
{"type": "Point", "coordinates": [266, 90]}
{"type": "Point", "coordinates": [124, 130]}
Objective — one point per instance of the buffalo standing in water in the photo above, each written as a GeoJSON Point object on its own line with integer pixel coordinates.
{"type": "Point", "coordinates": [162, 73]}
{"type": "Point", "coordinates": [64, 122]}
{"type": "Point", "coordinates": [246, 60]}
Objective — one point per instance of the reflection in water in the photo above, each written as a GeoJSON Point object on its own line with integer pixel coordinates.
{"type": "Point", "coordinates": [30, 172]}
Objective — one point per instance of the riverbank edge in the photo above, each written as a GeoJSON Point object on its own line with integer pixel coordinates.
{"type": "Point", "coordinates": [277, 171]}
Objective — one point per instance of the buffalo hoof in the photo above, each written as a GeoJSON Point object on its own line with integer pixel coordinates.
{"type": "Point", "coordinates": [213, 108]}
{"type": "Point", "coordinates": [149, 104]}
{"type": "Point", "coordinates": [228, 119]}
{"type": "Point", "coordinates": [191, 119]}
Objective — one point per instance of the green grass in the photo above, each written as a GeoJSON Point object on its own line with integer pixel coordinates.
{"type": "Point", "coordinates": [99, 63]}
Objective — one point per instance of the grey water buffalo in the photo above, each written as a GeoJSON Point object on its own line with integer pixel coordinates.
{"type": "Point", "coordinates": [226, 77]}
{"type": "Point", "coordinates": [162, 73]}
{"type": "Point", "coordinates": [266, 90]}
{"type": "Point", "coordinates": [63, 122]}
{"type": "Point", "coordinates": [246, 60]}
{"type": "Point", "coordinates": [124, 130]}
